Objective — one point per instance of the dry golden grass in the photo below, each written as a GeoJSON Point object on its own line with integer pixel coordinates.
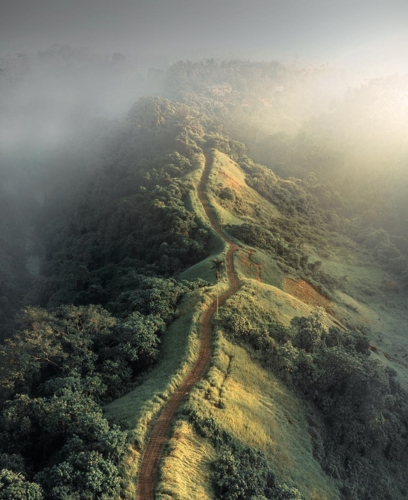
{"type": "Point", "coordinates": [248, 205]}
{"type": "Point", "coordinates": [185, 471]}
{"type": "Point", "coordinates": [246, 400]}
{"type": "Point", "coordinates": [259, 411]}
{"type": "Point", "coordinates": [139, 408]}
{"type": "Point", "coordinates": [252, 405]}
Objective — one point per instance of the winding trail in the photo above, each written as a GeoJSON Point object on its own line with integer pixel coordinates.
{"type": "Point", "coordinates": [158, 437]}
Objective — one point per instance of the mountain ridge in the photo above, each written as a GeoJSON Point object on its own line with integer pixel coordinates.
{"type": "Point", "coordinates": [306, 393]}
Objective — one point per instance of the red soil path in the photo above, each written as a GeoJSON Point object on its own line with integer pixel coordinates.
{"type": "Point", "coordinates": [158, 437]}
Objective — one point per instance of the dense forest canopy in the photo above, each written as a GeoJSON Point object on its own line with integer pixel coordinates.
{"type": "Point", "coordinates": [97, 225]}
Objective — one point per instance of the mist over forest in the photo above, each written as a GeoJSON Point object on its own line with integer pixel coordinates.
{"type": "Point", "coordinates": [109, 260]}
{"type": "Point", "coordinates": [61, 107]}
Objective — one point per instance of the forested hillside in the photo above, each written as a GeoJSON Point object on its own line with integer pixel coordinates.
{"type": "Point", "coordinates": [108, 261]}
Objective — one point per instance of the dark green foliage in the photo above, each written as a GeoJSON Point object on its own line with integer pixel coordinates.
{"type": "Point", "coordinates": [142, 223]}
{"type": "Point", "coordinates": [227, 194]}
{"type": "Point", "coordinates": [58, 368]}
{"type": "Point", "coordinates": [85, 475]}
{"type": "Point", "coordinates": [130, 212]}
{"type": "Point", "coordinates": [62, 425]}
{"type": "Point", "coordinates": [12, 462]}
{"type": "Point", "coordinates": [131, 291]}
{"type": "Point", "coordinates": [14, 486]}
{"type": "Point", "coordinates": [112, 234]}
{"type": "Point", "coordinates": [244, 474]}
{"type": "Point", "coordinates": [85, 342]}
{"type": "Point", "coordinates": [39, 427]}
{"type": "Point", "coordinates": [310, 332]}
{"type": "Point", "coordinates": [241, 473]}
{"type": "Point", "coordinates": [116, 224]}
{"type": "Point", "coordinates": [363, 410]}
{"type": "Point", "coordinates": [54, 343]}
{"type": "Point", "coordinates": [256, 236]}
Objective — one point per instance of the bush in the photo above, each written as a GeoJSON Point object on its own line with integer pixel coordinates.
{"type": "Point", "coordinates": [14, 486]}
{"type": "Point", "coordinates": [241, 473]}
{"type": "Point", "coordinates": [363, 409]}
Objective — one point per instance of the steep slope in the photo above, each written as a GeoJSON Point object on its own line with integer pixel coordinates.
{"type": "Point", "coordinates": [157, 439]}
{"type": "Point", "coordinates": [256, 408]}
{"type": "Point", "coordinates": [362, 294]}
{"type": "Point", "coordinates": [237, 393]}
{"type": "Point", "coordinates": [242, 397]}
{"type": "Point", "coordinates": [302, 394]}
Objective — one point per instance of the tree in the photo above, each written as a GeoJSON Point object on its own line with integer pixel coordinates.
{"type": "Point", "coordinates": [311, 331]}
{"type": "Point", "coordinates": [13, 485]}
{"type": "Point", "coordinates": [53, 343]}
{"type": "Point", "coordinates": [85, 475]}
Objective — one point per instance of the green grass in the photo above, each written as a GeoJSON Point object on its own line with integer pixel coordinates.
{"type": "Point", "coordinates": [363, 301]}
{"type": "Point", "coordinates": [246, 399]}
{"type": "Point", "coordinates": [139, 408]}
{"type": "Point", "coordinates": [259, 411]}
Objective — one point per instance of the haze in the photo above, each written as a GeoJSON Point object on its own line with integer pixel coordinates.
{"type": "Point", "coordinates": [368, 33]}
{"type": "Point", "coordinates": [65, 63]}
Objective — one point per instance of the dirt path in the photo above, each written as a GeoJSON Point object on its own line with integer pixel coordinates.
{"type": "Point", "coordinates": [158, 437]}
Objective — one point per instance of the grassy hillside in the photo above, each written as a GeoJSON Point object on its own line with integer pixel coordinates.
{"type": "Point", "coordinates": [258, 410]}
{"type": "Point", "coordinates": [306, 396]}
{"type": "Point", "coordinates": [242, 393]}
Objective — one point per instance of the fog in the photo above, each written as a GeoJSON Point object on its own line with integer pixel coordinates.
{"type": "Point", "coordinates": [71, 69]}
{"type": "Point", "coordinates": [312, 30]}
{"type": "Point", "coordinates": [48, 95]}
{"type": "Point", "coordinates": [51, 84]}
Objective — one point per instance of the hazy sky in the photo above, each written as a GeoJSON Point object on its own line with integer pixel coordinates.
{"type": "Point", "coordinates": [358, 31]}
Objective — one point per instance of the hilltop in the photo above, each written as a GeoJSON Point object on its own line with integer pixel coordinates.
{"type": "Point", "coordinates": [305, 394]}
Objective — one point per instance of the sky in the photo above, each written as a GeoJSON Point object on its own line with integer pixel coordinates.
{"type": "Point", "coordinates": [363, 32]}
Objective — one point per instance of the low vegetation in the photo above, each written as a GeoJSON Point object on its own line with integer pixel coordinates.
{"type": "Point", "coordinates": [103, 282]}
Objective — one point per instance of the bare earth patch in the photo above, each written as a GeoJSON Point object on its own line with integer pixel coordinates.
{"type": "Point", "coordinates": [307, 294]}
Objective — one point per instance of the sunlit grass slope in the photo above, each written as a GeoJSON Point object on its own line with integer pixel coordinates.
{"type": "Point", "coordinates": [247, 205]}
{"type": "Point", "coordinates": [244, 398]}
{"type": "Point", "coordinates": [258, 410]}
{"type": "Point", "coordinates": [137, 409]}
{"type": "Point", "coordinates": [366, 296]}
{"type": "Point", "coordinates": [247, 401]}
